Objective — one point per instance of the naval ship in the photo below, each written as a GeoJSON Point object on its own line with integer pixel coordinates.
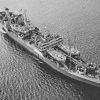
{"type": "Point", "coordinates": [48, 47]}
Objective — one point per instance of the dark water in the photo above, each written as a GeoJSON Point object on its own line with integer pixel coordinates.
{"type": "Point", "coordinates": [22, 76]}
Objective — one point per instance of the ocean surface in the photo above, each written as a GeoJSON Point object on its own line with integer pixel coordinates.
{"type": "Point", "coordinates": [25, 77]}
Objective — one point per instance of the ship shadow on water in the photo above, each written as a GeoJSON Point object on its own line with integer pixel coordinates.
{"type": "Point", "coordinates": [88, 92]}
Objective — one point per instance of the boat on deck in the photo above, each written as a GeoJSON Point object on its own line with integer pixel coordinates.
{"type": "Point", "coordinates": [50, 48]}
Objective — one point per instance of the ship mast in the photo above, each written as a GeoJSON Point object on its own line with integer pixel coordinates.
{"type": "Point", "coordinates": [23, 12]}
{"type": "Point", "coordinates": [8, 18]}
{"type": "Point", "coordinates": [25, 16]}
{"type": "Point", "coordinates": [7, 13]}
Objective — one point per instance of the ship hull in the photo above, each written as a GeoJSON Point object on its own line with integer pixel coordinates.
{"type": "Point", "coordinates": [70, 74]}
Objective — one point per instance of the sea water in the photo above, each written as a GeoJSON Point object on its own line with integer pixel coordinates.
{"type": "Point", "coordinates": [25, 77]}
